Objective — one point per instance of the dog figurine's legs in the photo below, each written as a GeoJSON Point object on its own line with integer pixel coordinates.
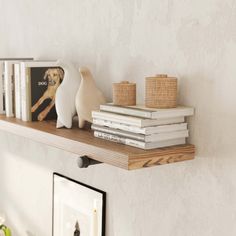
{"type": "Point", "coordinates": [38, 103]}
{"type": "Point", "coordinates": [44, 113]}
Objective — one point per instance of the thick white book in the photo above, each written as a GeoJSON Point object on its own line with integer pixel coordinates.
{"type": "Point", "coordinates": [9, 88]}
{"type": "Point", "coordinates": [25, 68]}
{"type": "Point", "coordinates": [177, 125]}
{"type": "Point", "coordinates": [139, 144]}
{"type": "Point", "coordinates": [132, 120]}
{"type": "Point", "coordinates": [17, 83]}
{"type": "Point", "coordinates": [141, 137]}
{"type": "Point", "coordinates": [150, 113]}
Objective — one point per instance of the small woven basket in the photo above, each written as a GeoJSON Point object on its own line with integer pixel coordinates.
{"type": "Point", "coordinates": [124, 93]}
{"type": "Point", "coordinates": [161, 92]}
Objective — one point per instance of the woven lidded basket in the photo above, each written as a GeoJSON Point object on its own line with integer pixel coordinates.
{"type": "Point", "coordinates": [124, 93]}
{"type": "Point", "coordinates": [161, 92]}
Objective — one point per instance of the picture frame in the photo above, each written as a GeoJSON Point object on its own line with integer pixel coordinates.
{"type": "Point", "coordinates": [78, 209]}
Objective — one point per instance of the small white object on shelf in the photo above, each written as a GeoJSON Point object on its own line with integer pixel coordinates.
{"type": "Point", "coordinates": [65, 96]}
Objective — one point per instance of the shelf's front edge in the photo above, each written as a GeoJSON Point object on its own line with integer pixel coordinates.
{"type": "Point", "coordinates": [97, 153]}
{"type": "Point", "coordinates": [162, 156]}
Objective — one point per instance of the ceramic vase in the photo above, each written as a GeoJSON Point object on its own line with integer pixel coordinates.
{"type": "Point", "coordinates": [88, 97]}
{"type": "Point", "coordinates": [65, 96]}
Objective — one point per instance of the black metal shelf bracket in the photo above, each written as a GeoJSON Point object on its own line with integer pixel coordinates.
{"type": "Point", "coordinates": [85, 162]}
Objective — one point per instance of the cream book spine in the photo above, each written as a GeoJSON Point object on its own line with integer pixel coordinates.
{"type": "Point", "coordinates": [17, 90]}
{"type": "Point", "coordinates": [9, 88]}
{"type": "Point", "coordinates": [24, 93]}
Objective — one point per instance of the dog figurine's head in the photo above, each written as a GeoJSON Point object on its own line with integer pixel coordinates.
{"type": "Point", "coordinates": [54, 76]}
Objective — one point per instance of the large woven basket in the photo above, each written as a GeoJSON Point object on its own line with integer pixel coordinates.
{"type": "Point", "coordinates": [124, 93]}
{"type": "Point", "coordinates": [161, 92]}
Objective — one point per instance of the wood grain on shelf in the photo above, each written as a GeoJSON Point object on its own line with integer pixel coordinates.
{"type": "Point", "coordinates": [82, 142]}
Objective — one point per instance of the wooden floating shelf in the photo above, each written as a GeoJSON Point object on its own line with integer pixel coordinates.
{"type": "Point", "coordinates": [82, 142]}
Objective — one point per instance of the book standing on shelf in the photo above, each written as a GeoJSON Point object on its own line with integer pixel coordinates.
{"type": "Point", "coordinates": [9, 88]}
{"type": "Point", "coordinates": [7, 92]}
{"type": "Point", "coordinates": [40, 80]}
{"type": "Point", "coordinates": [17, 90]}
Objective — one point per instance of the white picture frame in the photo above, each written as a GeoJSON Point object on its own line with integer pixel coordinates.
{"type": "Point", "coordinates": [78, 209]}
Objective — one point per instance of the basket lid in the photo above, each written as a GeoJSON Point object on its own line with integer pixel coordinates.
{"type": "Point", "coordinates": [161, 77]}
{"type": "Point", "coordinates": [125, 82]}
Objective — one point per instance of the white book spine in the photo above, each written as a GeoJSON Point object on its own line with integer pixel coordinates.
{"type": "Point", "coordinates": [23, 93]}
{"type": "Point", "coordinates": [166, 136]}
{"type": "Point", "coordinates": [116, 125]}
{"type": "Point", "coordinates": [117, 118]}
{"type": "Point", "coordinates": [1, 89]}
{"type": "Point", "coordinates": [138, 144]}
{"type": "Point", "coordinates": [9, 87]}
{"type": "Point", "coordinates": [158, 137]}
{"type": "Point", "coordinates": [134, 121]}
{"type": "Point", "coordinates": [146, 130]}
{"type": "Point", "coordinates": [117, 139]}
{"type": "Point", "coordinates": [121, 133]}
{"type": "Point", "coordinates": [125, 111]}
{"type": "Point", "coordinates": [151, 113]}
{"type": "Point", "coordinates": [17, 91]}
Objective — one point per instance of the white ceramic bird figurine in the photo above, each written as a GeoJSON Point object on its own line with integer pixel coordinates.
{"type": "Point", "coordinates": [88, 97]}
{"type": "Point", "coordinates": [65, 95]}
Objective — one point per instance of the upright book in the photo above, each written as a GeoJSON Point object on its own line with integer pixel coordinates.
{"type": "Point", "coordinates": [17, 90]}
{"type": "Point", "coordinates": [148, 113]}
{"type": "Point", "coordinates": [40, 80]}
{"type": "Point", "coordinates": [9, 85]}
{"type": "Point", "coordinates": [2, 82]}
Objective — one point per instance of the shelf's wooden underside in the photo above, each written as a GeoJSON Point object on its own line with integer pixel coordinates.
{"type": "Point", "coordinates": [82, 142]}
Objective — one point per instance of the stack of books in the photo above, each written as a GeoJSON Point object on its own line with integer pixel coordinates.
{"type": "Point", "coordinates": [142, 127]}
{"type": "Point", "coordinates": [28, 87]}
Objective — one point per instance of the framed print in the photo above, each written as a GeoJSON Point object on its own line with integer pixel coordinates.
{"type": "Point", "coordinates": [78, 209]}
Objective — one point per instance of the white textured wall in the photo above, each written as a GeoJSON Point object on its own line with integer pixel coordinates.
{"type": "Point", "coordinates": [120, 39]}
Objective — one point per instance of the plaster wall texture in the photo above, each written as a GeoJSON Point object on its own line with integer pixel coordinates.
{"type": "Point", "coordinates": [117, 40]}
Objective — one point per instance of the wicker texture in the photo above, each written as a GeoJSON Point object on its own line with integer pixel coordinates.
{"type": "Point", "coordinates": [124, 93]}
{"type": "Point", "coordinates": [161, 92]}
